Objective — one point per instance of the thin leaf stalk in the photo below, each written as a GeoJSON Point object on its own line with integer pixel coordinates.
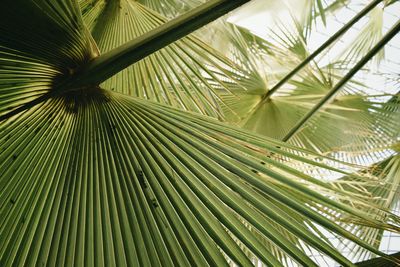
{"type": "Point", "coordinates": [320, 49]}
{"type": "Point", "coordinates": [388, 36]}
{"type": "Point", "coordinates": [116, 60]}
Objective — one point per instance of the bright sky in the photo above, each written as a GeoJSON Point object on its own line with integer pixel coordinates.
{"type": "Point", "coordinates": [261, 15]}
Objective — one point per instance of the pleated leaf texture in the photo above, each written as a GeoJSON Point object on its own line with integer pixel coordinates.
{"type": "Point", "coordinates": [346, 128]}
{"type": "Point", "coordinates": [92, 176]}
{"type": "Point", "coordinates": [187, 74]}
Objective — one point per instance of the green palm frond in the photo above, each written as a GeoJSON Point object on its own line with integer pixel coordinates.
{"type": "Point", "coordinates": [366, 39]}
{"type": "Point", "coordinates": [346, 124]}
{"type": "Point", "coordinates": [117, 174]}
{"type": "Point", "coordinates": [32, 63]}
{"type": "Point", "coordinates": [176, 75]}
{"type": "Point", "coordinates": [171, 8]}
{"type": "Point", "coordinates": [336, 5]}
{"type": "Point", "coordinates": [175, 163]}
{"type": "Point", "coordinates": [383, 191]}
{"type": "Point", "coordinates": [313, 9]}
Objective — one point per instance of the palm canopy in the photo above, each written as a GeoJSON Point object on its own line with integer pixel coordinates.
{"type": "Point", "coordinates": [100, 169]}
{"type": "Point", "coordinates": [346, 122]}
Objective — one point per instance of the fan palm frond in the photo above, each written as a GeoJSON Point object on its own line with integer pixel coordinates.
{"type": "Point", "coordinates": [176, 75]}
{"type": "Point", "coordinates": [370, 34]}
{"type": "Point", "coordinates": [91, 176]}
{"type": "Point", "coordinates": [348, 122]}
{"type": "Point", "coordinates": [171, 8]}
{"type": "Point", "coordinates": [382, 190]}
{"type": "Point", "coordinates": [175, 165]}
{"type": "Point", "coordinates": [32, 63]}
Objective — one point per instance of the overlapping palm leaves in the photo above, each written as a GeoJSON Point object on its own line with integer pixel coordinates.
{"type": "Point", "coordinates": [31, 63]}
{"type": "Point", "coordinates": [356, 126]}
{"type": "Point", "coordinates": [346, 123]}
{"type": "Point", "coordinates": [95, 177]}
{"type": "Point", "coordinates": [180, 79]}
{"type": "Point", "coordinates": [171, 8]}
{"type": "Point", "coordinates": [381, 184]}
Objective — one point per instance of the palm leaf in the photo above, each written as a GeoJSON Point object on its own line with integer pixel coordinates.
{"type": "Point", "coordinates": [176, 163]}
{"type": "Point", "coordinates": [176, 75]}
{"type": "Point", "coordinates": [92, 177]}
{"type": "Point", "coordinates": [382, 190]}
{"type": "Point", "coordinates": [313, 10]}
{"type": "Point", "coordinates": [170, 8]}
{"type": "Point", "coordinates": [366, 39]}
{"type": "Point", "coordinates": [32, 63]}
{"type": "Point", "coordinates": [330, 131]}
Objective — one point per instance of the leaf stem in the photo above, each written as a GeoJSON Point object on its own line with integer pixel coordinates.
{"type": "Point", "coordinates": [327, 43]}
{"type": "Point", "coordinates": [385, 39]}
{"type": "Point", "coordinates": [114, 61]}
{"type": "Point", "coordinates": [105, 66]}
